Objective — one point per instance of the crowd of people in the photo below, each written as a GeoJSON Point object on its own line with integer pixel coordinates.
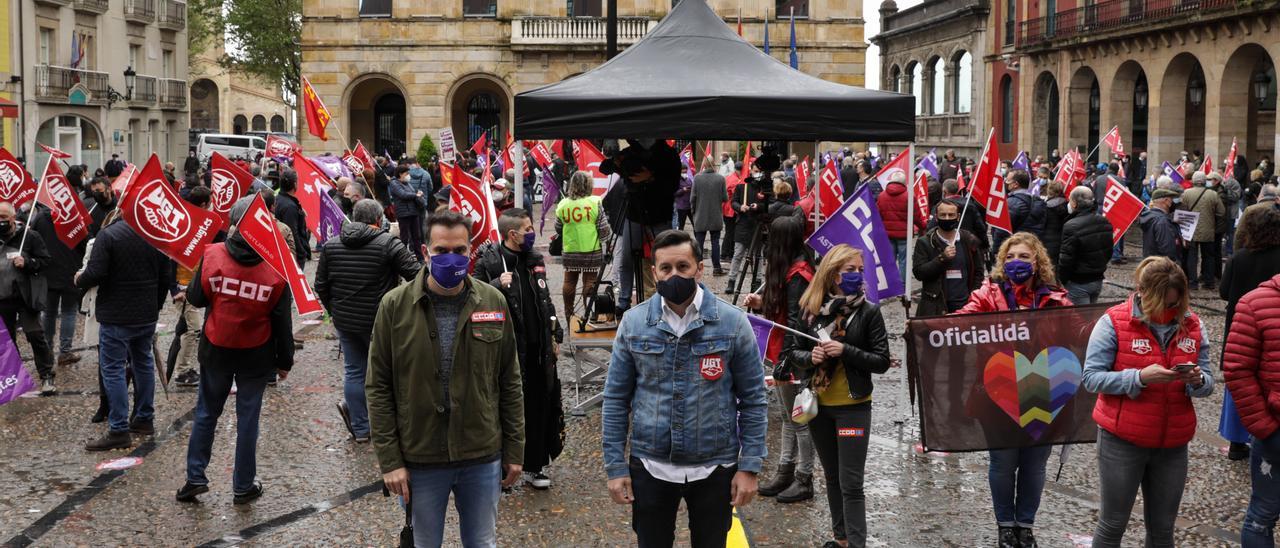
{"type": "Point", "coordinates": [472, 404]}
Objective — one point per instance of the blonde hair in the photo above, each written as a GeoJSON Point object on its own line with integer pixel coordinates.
{"type": "Point", "coordinates": [1054, 189]}
{"type": "Point", "coordinates": [826, 278]}
{"type": "Point", "coordinates": [781, 188]}
{"type": "Point", "coordinates": [1155, 276]}
{"type": "Point", "coordinates": [1044, 267]}
{"type": "Point", "coordinates": [580, 185]}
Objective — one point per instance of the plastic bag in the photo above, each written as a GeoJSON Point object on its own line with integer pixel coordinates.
{"type": "Point", "coordinates": [805, 408]}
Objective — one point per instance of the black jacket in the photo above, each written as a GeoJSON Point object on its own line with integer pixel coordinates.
{"type": "Point", "coordinates": [191, 165]}
{"type": "Point", "coordinates": [1086, 247]}
{"type": "Point", "coordinates": [929, 266]}
{"type": "Point", "coordinates": [64, 261]}
{"type": "Point", "coordinates": [131, 277]}
{"type": "Point", "coordinates": [1245, 271]}
{"type": "Point", "coordinates": [489, 267]}
{"type": "Point", "coordinates": [975, 223]}
{"type": "Point", "coordinates": [1026, 213]}
{"type": "Point", "coordinates": [32, 284]}
{"type": "Point", "coordinates": [1055, 217]}
{"type": "Point", "coordinates": [652, 202]}
{"type": "Point", "coordinates": [759, 193]}
{"type": "Point", "coordinates": [1160, 235]}
{"type": "Point", "coordinates": [290, 212]}
{"type": "Point", "coordinates": [866, 348]}
{"type": "Point", "coordinates": [97, 213]}
{"type": "Point", "coordinates": [276, 353]}
{"type": "Point", "coordinates": [356, 268]}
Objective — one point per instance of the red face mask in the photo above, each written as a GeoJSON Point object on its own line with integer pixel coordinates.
{"type": "Point", "coordinates": [1165, 317]}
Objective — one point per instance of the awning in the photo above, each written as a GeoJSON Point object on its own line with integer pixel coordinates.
{"type": "Point", "coordinates": [8, 109]}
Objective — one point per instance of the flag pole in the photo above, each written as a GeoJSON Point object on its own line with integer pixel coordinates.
{"type": "Point", "coordinates": [969, 198]}
{"type": "Point", "coordinates": [911, 225]}
{"type": "Point", "coordinates": [35, 200]}
{"type": "Point", "coordinates": [787, 329]}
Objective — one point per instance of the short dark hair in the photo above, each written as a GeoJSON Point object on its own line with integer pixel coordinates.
{"type": "Point", "coordinates": [447, 219]}
{"type": "Point", "coordinates": [511, 219]}
{"type": "Point", "coordinates": [401, 170]}
{"type": "Point", "coordinates": [199, 196]}
{"type": "Point", "coordinates": [672, 238]}
{"type": "Point", "coordinates": [1021, 177]}
{"type": "Point", "coordinates": [948, 201]}
{"type": "Point", "coordinates": [289, 181]}
{"type": "Point", "coordinates": [100, 181]}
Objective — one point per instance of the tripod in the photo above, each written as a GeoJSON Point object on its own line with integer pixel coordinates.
{"type": "Point", "coordinates": [755, 256]}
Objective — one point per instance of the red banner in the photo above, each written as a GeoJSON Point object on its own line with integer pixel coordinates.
{"type": "Point", "coordinates": [167, 222]}
{"type": "Point", "coordinates": [54, 152]}
{"type": "Point", "coordinates": [1229, 168]}
{"type": "Point", "coordinates": [541, 154]}
{"type": "Point", "coordinates": [588, 159]}
{"type": "Point", "coordinates": [121, 184]}
{"type": "Point", "coordinates": [317, 115]}
{"type": "Point", "coordinates": [258, 228]}
{"type": "Point", "coordinates": [279, 147]}
{"type": "Point", "coordinates": [1113, 141]}
{"type": "Point", "coordinates": [16, 185]}
{"type": "Point", "coordinates": [988, 187]}
{"type": "Point", "coordinates": [228, 182]}
{"type": "Point", "coordinates": [470, 197]}
{"type": "Point", "coordinates": [70, 218]}
{"type": "Point", "coordinates": [921, 192]}
{"type": "Point", "coordinates": [830, 191]}
{"type": "Point", "coordinates": [1120, 207]}
{"type": "Point", "coordinates": [802, 176]}
{"type": "Point", "coordinates": [310, 181]}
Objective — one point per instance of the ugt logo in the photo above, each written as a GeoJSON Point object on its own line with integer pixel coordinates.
{"type": "Point", "coordinates": [223, 187]}
{"type": "Point", "coordinates": [10, 178]}
{"type": "Point", "coordinates": [164, 220]}
{"type": "Point", "coordinates": [64, 200]}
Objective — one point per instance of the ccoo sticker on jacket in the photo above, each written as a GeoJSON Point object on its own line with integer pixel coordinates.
{"type": "Point", "coordinates": [488, 316]}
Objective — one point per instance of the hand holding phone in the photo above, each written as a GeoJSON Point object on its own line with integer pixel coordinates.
{"type": "Point", "coordinates": [1184, 368]}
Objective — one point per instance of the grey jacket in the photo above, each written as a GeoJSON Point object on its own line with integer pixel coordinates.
{"type": "Point", "coordinates": [708, 198]}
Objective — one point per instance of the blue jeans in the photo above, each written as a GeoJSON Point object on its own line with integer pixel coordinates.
{"type": "Point", "coordinates": [900, 253]}
{"type": "Point", "coordinates": [60, 312]}
{"type": "Point", "coordinates": [1264, 503]}
{"type": "Point", "coordinates": [1085, 293]}
{"type": "Point", "coordinates": [215, 387]}
{"type": "Point", "coordinates": [355, 359]}
{"type": "Point", "coordinates": [121, 346]}
{"type": "Point", "coordinates": [1117, 252]}
{"type": "Point", "coordinates": [475, 489]}
{"type": "Point", "coordinates": [1017, 480]}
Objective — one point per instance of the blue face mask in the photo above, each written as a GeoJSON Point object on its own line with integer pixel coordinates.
{"type": "Point", "coordinates": [527, 244]}
{"type": "Point", "coordinates": [449, 269]}
{"type": "Point", "coordinates": [851, 283]}
{"type": "Point", "coordinates": [1018, 271]}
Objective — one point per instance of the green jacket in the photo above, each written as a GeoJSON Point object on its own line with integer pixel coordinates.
{"type": "Point", "coordinates": [407, 419]}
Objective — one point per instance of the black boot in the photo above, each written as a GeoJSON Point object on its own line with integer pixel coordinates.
{"type": "Point", "coordinates": [800, 490]}
{"type": "Point", "coordinates": [111, 440]}
{"type": "Point", "coordinates": [1008, 537]}
{"type": "Point", "coordinates": [781, 479]}
{"type": "Point", "coordinates": [1238, 451]}
{"type": "Point", "coordinates": [1025, 538]}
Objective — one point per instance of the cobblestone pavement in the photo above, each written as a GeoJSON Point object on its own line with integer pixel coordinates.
{"type": "Point", "coordinates": [321, 489]}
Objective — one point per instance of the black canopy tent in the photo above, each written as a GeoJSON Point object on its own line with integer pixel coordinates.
{"type": "Point", "coordinates": [692, 77]}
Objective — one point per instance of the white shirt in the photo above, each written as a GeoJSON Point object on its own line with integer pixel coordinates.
{"type": "Point", "coordinates": [665, 471]}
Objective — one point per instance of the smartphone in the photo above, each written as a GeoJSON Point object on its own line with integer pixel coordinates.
{"type": "Point", "coordinates": [1184, 368]}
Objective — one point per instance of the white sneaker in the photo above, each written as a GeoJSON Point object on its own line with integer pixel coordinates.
{"type": "Point", "coordinates": [46, 387]}
{"type": "Point", "coordinates": [538, 481]}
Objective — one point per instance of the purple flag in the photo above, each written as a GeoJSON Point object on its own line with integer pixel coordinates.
{"type": "Point", "coordinates": [857, 223]}
{"type": "Point", "coordinates": [332, 166]}
{"type": "Point", "coordinates": [390, 161]}
{"type": "Point", "coordinates": [14, 379]}
{"type": "Point", "coordinates": [331, 217]}
{"type": "Point", "coordinates": [1021, 162]}
{"type": "Point", "coordinates": [927, 164]}
{"type": "Point", "coordinates": [1172, 172]}
{"type": "Point", "coordinates": [550, 197]}
{"type": "Point", "coordinates": [762, 328]}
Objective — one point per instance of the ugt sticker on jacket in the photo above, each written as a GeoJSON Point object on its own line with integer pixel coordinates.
{"type": "Point", "coordinates": [169, 223]}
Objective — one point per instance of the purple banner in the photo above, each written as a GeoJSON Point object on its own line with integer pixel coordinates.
{"type": "Point", "coordinates": [1172, 172]}
{"type": "Point", "coordinates": [762, 328]}
{"type": "Point", "coordinates": [14, 379]}
{"type": "Point", "coordinates": [331, 218]}
{"type": "Point", "coordinates": [332, 166]}
{"type": "Point", "coordinates": [550, 197]}
{"type": "Point", "coordinates": [927, 164]}
{"type": "Point", "coordinates": [1021, 162]}
{"type": "Point", "coordinates": [857, 224]}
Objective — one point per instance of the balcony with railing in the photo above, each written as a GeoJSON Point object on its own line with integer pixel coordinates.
{"type": "Point", "coordinates": [54, 84]}
{"type": "Point", "coordinates": [575, 32]}
{"type": "Point", "coordinates": [144, 91]}
{"type": "Point", "coordinates": [944, 127]}
{"type": "Point", "coordinates": [91, 6]}
{"type": "Point", "coordinates": [930, 11]}
{"type": "Point", "coordinates": [140, 11]}
{"type": "Point", "coordinates": [172, 14]}
{"type": "Point", "coordinates": [54, 2]}
{"type": "Point", "coordinates": [173, 94]}
{"type": "Point", "coordinates": [1115, 15]}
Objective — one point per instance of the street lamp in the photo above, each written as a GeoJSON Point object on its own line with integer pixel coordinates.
{"type": "Point", "coordinates": [1195, 91]}
{"type": "Point", "coordinates": [113, 96]}
{"type": "Point", "coordinates": [1140, 95]}
{"type": "Point", "coordinates": [1260, 83]}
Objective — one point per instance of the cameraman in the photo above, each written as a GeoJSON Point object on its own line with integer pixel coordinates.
{"type": "Point", "coordinates": [650, 176]}
{"type": "Point", "coordinates": [750, 201]}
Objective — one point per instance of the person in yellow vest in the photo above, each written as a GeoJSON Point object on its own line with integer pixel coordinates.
{"type": "Point", "coordinates": [581, 222]}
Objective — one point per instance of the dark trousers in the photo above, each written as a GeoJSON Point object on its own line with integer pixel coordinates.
{"type": "Point", "coordinates": [411, 234]}
{"type": "Point", "coordinates": [683, 215]}
{"type": "Point", "coordinates": [60, 311]}
{"type": "Point", "coordinates": [1207, 255]}
{"type": "Point", "coordinates": [701, 237]}
{"type": "Point", "coordinates": [215, 387]}
{"type": "Point", "coordinates": [16, 313]}
{"type": "Point", "coordinates": [729, 223]}
{"type": "Point", "coordinates": [653, 514]}
{"type": "Point", "coordinates": [1123, 470]}
{"type": "Point", "coordinates": [840, 435]}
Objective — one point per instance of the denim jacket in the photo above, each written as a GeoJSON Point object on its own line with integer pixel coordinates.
{"type": "Point", "coordinates": [694, 400]}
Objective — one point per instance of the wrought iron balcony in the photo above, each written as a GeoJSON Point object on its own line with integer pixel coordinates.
{"type": "Point", "coordinates": [54, 84]}
{"type": "Point", "coordinates": [172, 15]}
{"type": "Point", "coordinates": [144, 91]}
{"type": "Point", "coordinates": [54, 2]}
{"type": "Point", "coordinates": [173, 94]}
{"type": "Point", "coordinates": [1115, 15]}
{"type": "Point", "coordinates": [140, 11]}
{"type": "Point", "coordinates": [575, 31]}
{"type": "Point", "coordinates": [91, 6]}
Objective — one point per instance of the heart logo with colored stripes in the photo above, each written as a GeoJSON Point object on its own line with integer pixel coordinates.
{"type": "Point", "coordinates": [1033, 391]}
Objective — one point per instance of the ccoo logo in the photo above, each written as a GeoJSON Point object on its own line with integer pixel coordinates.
{"type": "Point", "coordinates": [163, 219]}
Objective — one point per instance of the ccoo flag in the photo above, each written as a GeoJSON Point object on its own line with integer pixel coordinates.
{"type": "Point", "coordinates": [988, 187]}
{"type": "Point", "coordinates": [1120, 207]}
{"type": "Point", "coordinates": [259, 230]}
{"type": "Point", "coordinates": [857, 224]}
{"type": "Point", "coordinates": [317, 115]}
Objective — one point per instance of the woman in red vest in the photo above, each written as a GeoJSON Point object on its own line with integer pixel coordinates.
{"type": "Point", "coordinates": [1146, 359]}
{"type": "Point", "coordinates": [788, 271]}
{"type": "Point", "coordinates": [1022, 278]}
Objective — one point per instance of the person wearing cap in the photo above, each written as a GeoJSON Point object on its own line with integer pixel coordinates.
{"type": "Point", "coordinates": [1202, 250]}
{"type": "Point", "coordinates": [114, 166]}
{"type": "Point", "coordinates": [1160, 234]}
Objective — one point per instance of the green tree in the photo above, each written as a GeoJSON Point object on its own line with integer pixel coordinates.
{"type": "Point", "coordinates": [426, 149]}
{"type": "Point", "coordinates": [264, 38]}
{"type": "Point", "coordinates": [205, 26]}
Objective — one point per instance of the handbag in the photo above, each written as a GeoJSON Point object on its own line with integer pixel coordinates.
{"type": "Point", "coordinates": [805, 407]}
{"type": "Point", "coordinates": [406, 533]}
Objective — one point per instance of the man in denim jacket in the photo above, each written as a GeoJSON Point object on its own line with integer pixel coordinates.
{"type": "Point", "coordinates": [686, 381]}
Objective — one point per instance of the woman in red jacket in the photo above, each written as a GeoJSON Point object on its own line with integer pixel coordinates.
{"type": "Point", "coordinates": [1023, 278]}
{"type": "Point", "coordinates": [1251, 366]}
{"type": "Point", "coordinates": [1147, 358]}
{"type": "Point", "coordinates": [892, 204]}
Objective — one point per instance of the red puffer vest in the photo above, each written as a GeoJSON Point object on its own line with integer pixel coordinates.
{"type": "Point", "coordinates": [241, 298]}
{"type": "Point", "coordinates": [1162, 415]}
{"type": "Point", "coordinates": [798, 268]}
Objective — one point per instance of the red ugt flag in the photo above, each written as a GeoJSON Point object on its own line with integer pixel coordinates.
{"type": "Point", "coordinates": [70, 218]}
{"type": "Point", "coordinates": [898, 165]}
{"type": "Point", "coordinates": [317, 115]}
{"type": "Point", "coordinates": [1120, 207]}
{"type": "Point", "coordinates": [279, 147]}
{"type": "Point", "coordinates": [1229, 168]}
{"type": "Point", "coordinates": [16, 185]}
{"type": "Point", "coordinates": [259, 230]}
{"type": "Point", "coordinates": [170, 224]}
{"type": "Point", "coordinates": [310, 179]}
{"type": "Point", "coordinates": [470, 197]}
{"type": "Point", "coordinates": [354, 164]}
{"type": "Point", "coordinates": [481, 144]}
{"type": "Point", "coordinates": [361, 153]}
{"type": "Point", "coordinates": [121, 184]}
{"type": "Point", "coordinates": [988, 187]}
{"type": "Point", "coordinates": [227, 182]}
{"type": "Point", "coordinates": [830, 191]}
{"type": "Point", "coordinates": [54, 152]}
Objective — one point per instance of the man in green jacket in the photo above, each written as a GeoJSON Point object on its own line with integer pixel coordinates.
{"type": "Point", "coordinates": [446, 407]}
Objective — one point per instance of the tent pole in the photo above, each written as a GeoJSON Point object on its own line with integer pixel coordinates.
{"type": "Point", "coordinates": [611, 29]}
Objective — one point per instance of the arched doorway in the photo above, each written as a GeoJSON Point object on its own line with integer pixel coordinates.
{"type": "Point", "coordinates": [378, 115]}
{"type": "Point", "coordinates": [1044, 119]}
{"type": "Point", "coordinates": [1182, 106]}
{"type": "Point", "coordinates": [1249, 84]}
{"type": "Point", "coordinates": [277, 124]}
{"type": "Point", "coordinates": [1129, 105]}
{"type": "Point", "coordinates": [239, 124]}
{"type": "Point", "coordinates": [895, 79]}
{"type": "Point", "coordinates": [72, 134]}
{"type": "Point", "coordinates": [259, 122]}
{"type": "Point", "coordinates": [1084, 104]}
{"type": "Point", "coordinates": [479, 105]}
{"type": "Point", "coordinates": [205, 115]}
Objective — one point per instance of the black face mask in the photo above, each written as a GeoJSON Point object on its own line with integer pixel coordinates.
{"type": "Point", "coordinates": [677, 289]}
{"type": "Point", "coordinates": [6, 227]}
{"type": "Point", "coordinates": [100, 197]}
{"type": "Point", "coordinates": [947, 225]}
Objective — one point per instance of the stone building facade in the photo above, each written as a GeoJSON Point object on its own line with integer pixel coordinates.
{"type": "Point", "coordinates": [231, 101]}
{"type": "Point", "coordinates": [1172, 75]}
{"type": "Point", "coordinates": [937, 52]}
{"type": "Point", "coordinates": [392, 71]}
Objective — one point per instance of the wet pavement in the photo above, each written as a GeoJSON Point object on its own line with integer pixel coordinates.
{"type": "Point", "coordinates": [322, 489]}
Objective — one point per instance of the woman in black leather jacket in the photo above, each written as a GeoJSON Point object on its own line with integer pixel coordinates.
{"type": "Point", "coordinates": [834, 309]}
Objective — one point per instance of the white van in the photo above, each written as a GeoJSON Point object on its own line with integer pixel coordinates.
{"type": "Point", "coordinates": [244, 146]}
